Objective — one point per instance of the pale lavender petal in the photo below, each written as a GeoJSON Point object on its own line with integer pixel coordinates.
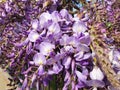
{"type": "Point", "coordinates": [51, 72]}
{"type": "Point", "coordinates": [83, 63]}
{"type": "Point", "coordinates": [86, 18]}
{"type": "Point", "coordinates": [83, 48]}
{"type": "Point", "coordinates": [73, 41]}
{"type": "Point", "coordinates": [67, 76]}
{"type": "Point", "coordinates": [73, 66]}
{"type": "Point", "coordinates": [46, 47]}
{"type": "Point", "coordinates": [95, 83]}
{"type": "Point", "coordinates": [65, 88]}
{"type": "Point", "coordinates": [44, 20]}
{"type": "Point", "coordinates": [51, 61]}
{"type": "Point", "coordinates": [80, 85]}
{"type": "Point", "coordinates": [85, 71]}
{"type": "Point", "coordinates": [79, 54]}
{"type": "Point", "coordinates": [35, 24]}
{"type": "Point", "coordinates": [69, 49]}
{"type": "Point", "coordinates": [7, 7]}
{"type": "Point", "coordinates": [57, 68]}
{"type": "Point", "coordinates": [64, 40]}
{"type": "Point", "coordinates": [33, 36]}
{"type": "Point", "coordinates": [64, 13]}
{"type": "Point", "coordinates": [67, 62]}
{"type": "Point", "coordinates": [85, 57]}
{"type": "Point", "coordinates": [39, 59]}
{"type": "Point", "coordinates": [54, 28]}
{"type": "Point", "coordinates": [41, 70]}
{"type": "Point", "coordinates": [80, 76]}
{"type": "Point", "coordinates": [79, 27]}
{"type": "Point", "coordinates": [55, 16]}
{"type": "Point", "coordinates": [85, 39]}
{"type": "Point", "coordinates": [31, 62]}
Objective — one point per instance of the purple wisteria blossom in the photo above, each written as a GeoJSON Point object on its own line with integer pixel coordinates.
{"type": "Point", "coordinates": [46, 48]}
{"type": "Point", "coordinates": [50, 48]}
{"type": "Point", "coordinates": [53, 29]}
{"type": "Point", "coordinates": [61, 49]}
{"type": "Point", "coordinates": [39, 60]}
{"type": "Point", "coordinates": [33, 36]}
{"type": "Point", "coordinates": [78, 28]}
{"type": "Point", "coordinates": [45, 20]}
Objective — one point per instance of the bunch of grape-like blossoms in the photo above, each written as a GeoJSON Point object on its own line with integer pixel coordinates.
{"type": "Point", "coordinates": [47, 48]}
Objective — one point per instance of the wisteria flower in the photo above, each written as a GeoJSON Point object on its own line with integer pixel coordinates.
{"type": "Point", "coordinates": [33, 36]}
{"type": "Point", "coordinates": [54, 61]}
{"type": "Point", "coordinates": [65, 15]}
{"type": "Point", "coordinates": [69, 49]}
{"type": "Point", "coordinates": [57, 67]}
{"type": "Point", "coordinates": [81, 79]}
{"type": "Point", "coordinates": [78, 28]}
{"type": "Point", "coordinates": [46, 48]}
{"type": "Point", "coordinates": [73, 41]}
{"type": "Point", "coordinates": [45, 20]}
{"type": "Point", "coordinates": [85, 39]}
{"type": "Point", "coordinates": [56, 16]}
{"type": "Point", "coordinates": [83, 48]}
{"type": "Point", "coordinates": [83, 57]}
{"type": "Point", "coordinates": [39, 60]}
{"type": "Point", "coordinates": [81, 76]}
{"type": "Point", "coordinates": [79, 55]}
{"type": "Point", "coordinates": [54, 28]}
{"type": "Point", "coordinates": [64, 40]}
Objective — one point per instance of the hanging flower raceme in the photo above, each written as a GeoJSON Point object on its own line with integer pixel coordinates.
{"type": "Point", "coordinates": [56, 43]}
{"type": "Point", "coordinates": [50, 46]}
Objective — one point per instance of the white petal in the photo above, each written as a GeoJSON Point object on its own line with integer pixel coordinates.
{"type": "Point", "coordinates": [96, 74]}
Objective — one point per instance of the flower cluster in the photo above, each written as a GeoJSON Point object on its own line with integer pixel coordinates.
{"type": "Point", "coordinates": [46, 44]}
{"type": "Point", "coordinates": [60, 44]}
